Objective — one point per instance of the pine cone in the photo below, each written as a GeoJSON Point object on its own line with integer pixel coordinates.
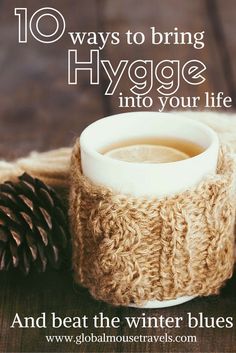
{"type": "Point", "coordinates": [33, 226]}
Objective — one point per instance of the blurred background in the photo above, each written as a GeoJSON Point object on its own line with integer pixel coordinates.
{"type": "Point", "coordinates": [38, 110]}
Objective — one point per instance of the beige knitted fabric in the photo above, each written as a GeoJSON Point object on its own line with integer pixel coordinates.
{"type": "Point", "coordinates": [52, 167]}
{"type": "Point", "coordinates": [128, 250]}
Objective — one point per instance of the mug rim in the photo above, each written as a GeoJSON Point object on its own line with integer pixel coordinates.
{"type": "Point", "coordinates": [87, 149]}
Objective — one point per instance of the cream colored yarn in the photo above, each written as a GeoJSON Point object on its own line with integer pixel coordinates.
{"type": "Point", "coordinates": [128, 250]}
{"type": "Point", "coordinates": [52, 167]}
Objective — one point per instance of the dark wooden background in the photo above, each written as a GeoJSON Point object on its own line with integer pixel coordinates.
{"type": "Point", "coordinates": [38, 110]}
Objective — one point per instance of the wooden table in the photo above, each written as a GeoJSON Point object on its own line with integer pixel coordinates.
{"type": "Point", "coordinates": [39, 111]}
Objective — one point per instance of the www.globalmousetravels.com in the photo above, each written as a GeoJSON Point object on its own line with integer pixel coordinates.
{"type": "Point", "coordinates": [103, 338]}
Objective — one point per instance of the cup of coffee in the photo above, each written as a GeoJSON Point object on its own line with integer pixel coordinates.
{"type": "Point", "coordinates": [148, 155]}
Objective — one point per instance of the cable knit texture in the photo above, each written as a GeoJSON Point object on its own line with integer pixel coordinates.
{"type": "Point", "coordinates": [129, 250]}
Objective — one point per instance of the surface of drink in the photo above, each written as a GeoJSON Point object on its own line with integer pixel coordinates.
{"type": "Point", "coordinates": [152, 150]}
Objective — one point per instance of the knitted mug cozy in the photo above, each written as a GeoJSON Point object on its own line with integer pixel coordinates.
{"type": "Point", "coordinates": [131, 250]}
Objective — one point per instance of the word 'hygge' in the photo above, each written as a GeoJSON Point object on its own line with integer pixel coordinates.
{"type": "Point", "coordinates": [141, 73]}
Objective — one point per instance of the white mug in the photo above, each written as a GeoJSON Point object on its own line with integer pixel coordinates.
{"type": "Point", "coordinates": [150, 180]}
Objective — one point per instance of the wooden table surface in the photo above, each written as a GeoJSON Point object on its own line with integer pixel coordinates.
{"type": "Point", "coordinates": [39, 111]}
